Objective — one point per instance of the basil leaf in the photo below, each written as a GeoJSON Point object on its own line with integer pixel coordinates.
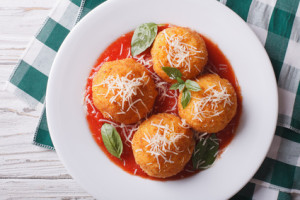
{"type": "Point", "coordinates": [172, 72]}
{"type": "Point", "coordinates": [192, 85]}
{"type": "Point", "coordinates": [143, 37]}
{"type": "Point", "coordinates": [186, 97]}
{"type": "Point", "coordinates": [205, 152]}
{"type": "Point", "coordinates": [175, 86]}
{"type": "Point", "coordinates": [112, 140]}
{"type": "Point", "coordinates": [181, 87]}
{"type": "Point", "coordinates": [180, 80]}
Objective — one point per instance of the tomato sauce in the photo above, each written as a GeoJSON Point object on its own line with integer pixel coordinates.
{"type": "Point", "coordinates": [120, 49]}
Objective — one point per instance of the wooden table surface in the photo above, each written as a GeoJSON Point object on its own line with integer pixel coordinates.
{"type": "Point", "coordinates": [26, 171]}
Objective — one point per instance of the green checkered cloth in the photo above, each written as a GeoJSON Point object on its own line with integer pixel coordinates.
{"type": "Point", "coordinates": [277, 25]}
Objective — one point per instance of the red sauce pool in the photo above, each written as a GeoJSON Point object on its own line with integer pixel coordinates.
{"type": "Point", "coordinates": [120, 49]}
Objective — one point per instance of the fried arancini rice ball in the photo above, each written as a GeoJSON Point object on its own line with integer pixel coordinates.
{"type": "Point", "coordinates": [123, 91]}
{"type": "Point", "coordinates": [181, 48]}
{"type": "Point", "coordinates": [213, 107]}
{"type": "Point", "coordinates": [162, 145]}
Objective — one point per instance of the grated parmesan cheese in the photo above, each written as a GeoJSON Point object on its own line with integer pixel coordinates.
{"type": "Point", "coordinates": [179, 53]}
{"type": "Point", "coordinates": [212, 98]}
{"type": "Point", "coordinates": [205, 137]}
{"type": "Point", "coordinates": [143, 61]}
{"type": "Point", "coordinates": [87, 101]}
{"type": "Point", "coordinates": [129, 53]}
{"type": "Point", "coordinates": [183, 124]}
{"type": "Point", "coordinates": [125, 88]}
{"type": "Point", "coordinates": [161, 85]}
{"type": "Point", "coordinates": [121, 51]}
{"type": "Point", "coordinates": [127, 129]}
{"type": "Point", "coordinates": [161, 142]}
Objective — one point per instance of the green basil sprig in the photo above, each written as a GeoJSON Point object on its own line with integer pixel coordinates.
{"type": "Point", "coordinates": [205, 152]}
{"type": "Point", "coordinates": [186, 86]}
{"type": "Point", "coordinates": [143, 37]}
{"type": "Point", "coordinates": [173, 73]}
{"type": "Point", "coordinates": [112, 140]}
{"type": "Point", "coordinates": [186, 97]}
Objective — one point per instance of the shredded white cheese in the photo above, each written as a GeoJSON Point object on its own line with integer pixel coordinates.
{"type": "Point", "coordinates": [222, 67]}
{"type": "Point", "coordinates": [180, 53]}
{"type": "Point", "coordinates": [211, 68]}
{"type": "Point", "coordinates": [161, 85]}
{"type": "Point", "coordinates": [87, 101]}
{"type": "Point", "coordinates": [143, 61]}
{"type": "Point", "coordinates": [129, 53]}
{"type": "Point", "coordinates": [199, 136]}
{"type": "Point", "coordinates": [127, 129]}
{"type": "Point", "coordinates": [108, 115]}
{"type": "Point", "coordinates": [183, 124]}
{"type": "Point", "coordinates": [204, 137]}
{"type": "Point", "coordinates": [125, 88]}
{"type": "Point", "coordinates": [163, 90]}
{"type": "Point", "coordinates": [121, 51]}
{"type": "Point", "coordinates": [162, 142]}
{"type": "Point", "coordinates": [208, 105]}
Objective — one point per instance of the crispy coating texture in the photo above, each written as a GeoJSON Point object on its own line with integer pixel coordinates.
{"type": "Point", "coordinates": [183, 146]}
{"type": "Point", "coordinates": [195, 52]}
{"type": "Point", "coordinates": [145, 93]}
{"type": "Point", "coordinates": [208, 122]}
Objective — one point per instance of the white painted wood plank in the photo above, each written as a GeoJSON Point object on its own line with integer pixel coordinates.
{"type": "Point", "coordinates": [18, 156]}
{"type": "Point", "coordinates": [5, 71]}
{"type": "Point", "coordinates": [27, 3]}
{"type": "Point", "coordinates": [15, 115]}
{"type": "Point", "coordinates": [19, 22]}
{"type": "Point", "coordinates": [41, 189]}
{"type": "Point", "coordinates": [26, 171]}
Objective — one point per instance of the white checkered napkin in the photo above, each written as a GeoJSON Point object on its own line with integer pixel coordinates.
{"type": "Point", "coordinates": [276, 23]}
{"type": "Point", "coordinates": [29, 79]}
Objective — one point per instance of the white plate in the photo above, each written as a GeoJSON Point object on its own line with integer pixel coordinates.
{"type": "Point", "coordinates": [69, 130]}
